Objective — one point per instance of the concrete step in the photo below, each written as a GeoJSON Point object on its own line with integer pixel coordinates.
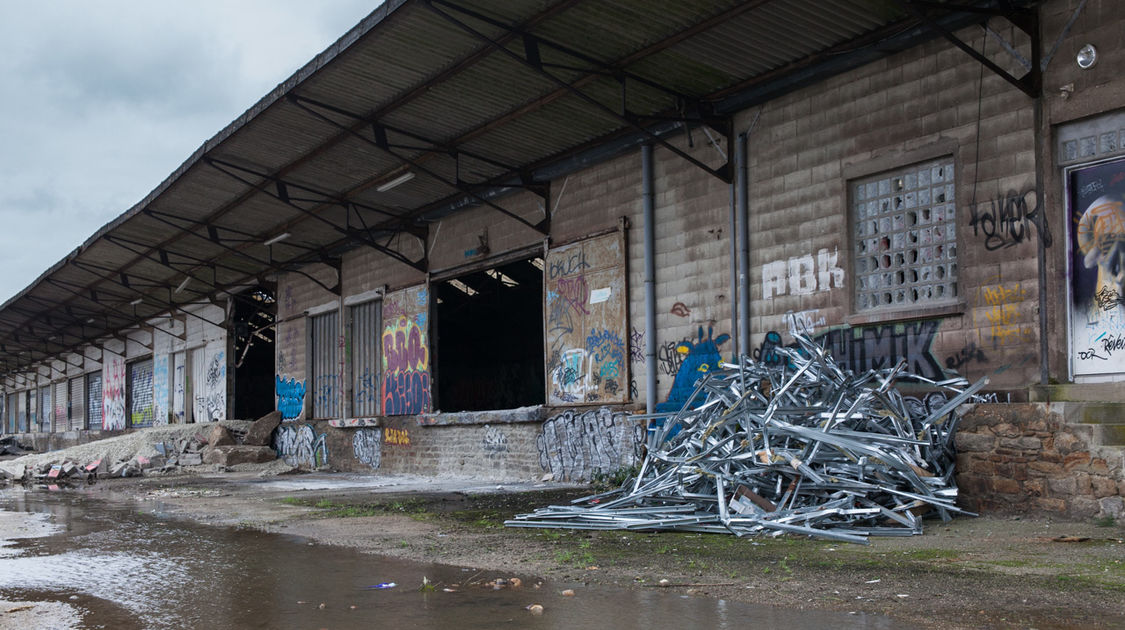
{"type": "Point", "coordinates": [1078, 392]}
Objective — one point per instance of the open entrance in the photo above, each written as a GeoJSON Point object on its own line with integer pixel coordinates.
{"type": "Point", "coordinates": [490, 338]}
{"type": "Point", "coordinates": [255, 311]}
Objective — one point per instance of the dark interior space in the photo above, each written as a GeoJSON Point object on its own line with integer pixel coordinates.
{"type": "Point", "coordinates": [253, 329]}
{"type": "Point", "coordinates": [489, 351]}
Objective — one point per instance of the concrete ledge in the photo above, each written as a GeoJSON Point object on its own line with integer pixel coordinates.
{"type": "Point", "coordinates": [536, 413]}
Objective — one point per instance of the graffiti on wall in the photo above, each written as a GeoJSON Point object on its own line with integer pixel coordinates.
{"type": "Point", "coordinates": [574, 445]}
{"type": "Point", "coordinates": [405, 387]}
{"type": "Point", "coordinates": [801, 275]}
{"type": "Point", "coordinates": [406, 376]}
{"type": "Point", "coordinates": [160, 389]}
{"type": "Point", "coordinates": [767, 352]}
{"type": "Point", "coordinates": [179, 393]}
{"type": "Point", "coordinates": [113, 392]}
{"type": "Point", "coordinates": [679, 309]}
{"type": "Point", "coordinates": [589, 347]}
{"type": "Point", "coordinates": [300, 446]}
{"type": "Point", "coordinates": [669, 358]}
{"type": "Point", "coordinates": [366, 389]}
{"type": "Point", "coordinates": [494, 443]}
{"type": "Point", "coordinates": [971, 353]}
{"type": "Point", "coordinates": [1096, 209]}
{"type": "Point", "coordinates": [699, 357]}
{"type": "Point", "coordinates": [805, 321]}
{"type": "Point", "coordinates": [211, 394]}
{"type": "Point", "coordinates": [863, 348]}
{"type": "Point", "coordinates": [637, 345]}
{"type": "Point", "coordinates": [1004, 319]}
{"type": "Point", "coordinates": [290, 397]}
{"type": "Point", "coordinates": [367, 446]}
{"type": "Point", "coordinates": [1007, 220]}
{"type": "Point", "coordinates": [396, 437]}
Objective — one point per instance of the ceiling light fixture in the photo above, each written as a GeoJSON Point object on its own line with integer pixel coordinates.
{"type": "Point", "coordinates": [136, 302]}
{"type": "Point", "coordinates": [398, 181]}
{"type": "Point", "coordinates": [183, 285]}
{"type": "Point", "coordinates": [1087, 57]}
{"type": "Point", "coordinates": [277, 239]}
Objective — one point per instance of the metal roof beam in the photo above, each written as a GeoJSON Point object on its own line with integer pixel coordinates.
{"type": "Point", "coordinates": [1025, 19]}
{"type": "Point", "coordinates": [310, 106]}
{"type": "Point", "coordinates": [724, 173]}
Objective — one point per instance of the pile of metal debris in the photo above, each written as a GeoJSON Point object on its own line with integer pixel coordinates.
{"type": "Point", "coordinates": [798, 446]}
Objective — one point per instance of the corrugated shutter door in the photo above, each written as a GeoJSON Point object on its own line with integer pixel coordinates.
{"type": "Point", "coordinates": [76, 409]}
{"type": "Point", "coordinates": [140, 393]}
{"type": "Point", "coordinates": [94, 400]}
{"type": "Point", "coordinates": [325, 364]}
{"type": "Point", "coordinates": [45, 410]}
{"type": "Point", "coordinates": [61, 423]}
{"type": "Point", "coordinates": [366, 325]}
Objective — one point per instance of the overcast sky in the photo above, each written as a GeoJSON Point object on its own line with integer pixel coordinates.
{"type": "Point", "coordinates": [101, 100]}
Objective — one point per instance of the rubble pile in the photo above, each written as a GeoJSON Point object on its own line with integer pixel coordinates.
{"type": "Point", "coordinates": [155, 450]}
{"type": "Point", "coordinates": [800, 446]}
{"type": "Point", "coordinates": [10, 446]}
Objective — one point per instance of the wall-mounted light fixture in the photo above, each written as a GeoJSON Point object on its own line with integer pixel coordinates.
{"type": "Point", "coordinates": [1087, 57]}
{"type": "Point", "coordinates": [398, 181]}
{"type": "Point", "coordinates": [277, 239]}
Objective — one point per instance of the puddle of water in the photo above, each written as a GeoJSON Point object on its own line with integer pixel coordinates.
{"type": "Point", "coordinates": [169, 574]}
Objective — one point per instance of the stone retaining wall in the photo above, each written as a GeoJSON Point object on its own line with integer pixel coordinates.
{"type": "Point", "coordinates": [1024, 458]}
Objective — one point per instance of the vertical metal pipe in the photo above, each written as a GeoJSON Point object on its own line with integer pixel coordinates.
{"type": "Point", "coordinates": [732, 231]}
{"type": "Point", "coordinates": [1041, 226]}
{"type": "Point", "coordinates": [742, 181]}
{"type": "Point", "coordinates": [649, 220]}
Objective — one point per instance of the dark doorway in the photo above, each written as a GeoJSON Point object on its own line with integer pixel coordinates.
{"type": "Point", "coordinates": [490, 338]}
{"type": "Point", "coordinates": [255, 311]}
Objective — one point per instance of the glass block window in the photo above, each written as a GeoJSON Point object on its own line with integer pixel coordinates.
{"type": "Point", "coordinates": [905, 241]}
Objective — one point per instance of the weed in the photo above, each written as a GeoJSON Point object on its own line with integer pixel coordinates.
{"type": "Point", "coordinates": [1105, 521]}
{"type": "Point", "coordinates": [603, 481]}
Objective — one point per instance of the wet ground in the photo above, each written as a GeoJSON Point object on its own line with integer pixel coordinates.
{"type": "Point", "coordinates": [120, 564]}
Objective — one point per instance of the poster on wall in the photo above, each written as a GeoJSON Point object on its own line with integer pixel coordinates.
{"type": "Point", "coordinates": [587, 355]}
{"type": "Point", "coordinates": [1096, 209]}
{"type": "Point", "coordinates": [113, 392]}
{"type": "Point", "coordinates": [406, 352]}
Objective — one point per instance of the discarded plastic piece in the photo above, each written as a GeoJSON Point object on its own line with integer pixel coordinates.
{"type": "Point", "coordinates": [383, 585]}
{"type": "Point", "coordinates": [801, 446]}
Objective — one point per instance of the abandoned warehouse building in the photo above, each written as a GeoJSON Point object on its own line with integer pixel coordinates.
{"type": "Point", "coordinates": [480, 238]}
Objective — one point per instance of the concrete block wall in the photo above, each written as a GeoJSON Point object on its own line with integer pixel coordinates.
{"type": "Point", "coordinates": [916, 105]}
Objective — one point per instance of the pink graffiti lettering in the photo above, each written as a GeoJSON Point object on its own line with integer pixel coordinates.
{"type": "Point", "coordinates": [576, 292]}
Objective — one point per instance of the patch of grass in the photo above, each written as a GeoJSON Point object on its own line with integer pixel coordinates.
{"type": "Point", "coordinates": [1105, 521]}
{"type": "Point", "coordinates": [293, 501]}
{"type": "Point", "coordinates": [931, 554]}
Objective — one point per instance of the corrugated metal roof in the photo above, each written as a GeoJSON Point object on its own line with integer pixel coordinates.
{"type": "Point", "coordinates": [439, 77]}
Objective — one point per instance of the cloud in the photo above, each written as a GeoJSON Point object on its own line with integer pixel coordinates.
{"type": "Point", "coordinates": [105, 99]}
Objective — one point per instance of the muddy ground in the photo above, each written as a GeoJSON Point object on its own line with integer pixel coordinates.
{"type": "Point", "coordinates": [988, 571]}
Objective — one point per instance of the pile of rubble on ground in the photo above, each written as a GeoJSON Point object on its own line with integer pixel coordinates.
{"type": "Point", "coordinates": [225, 445]}
{"type": "Point", "coordinates": [800, 446]}
{"type": "Point", "coordinates": [9, 445]}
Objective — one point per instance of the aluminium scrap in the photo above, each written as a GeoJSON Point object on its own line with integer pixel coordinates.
{"type": "Point", "coordinates": [802, 446]}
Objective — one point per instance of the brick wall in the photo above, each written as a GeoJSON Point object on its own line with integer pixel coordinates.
{"type": "Point", "coordinates": [569, 445]}
{"type": "Point", "coordinates": [1023, 458]}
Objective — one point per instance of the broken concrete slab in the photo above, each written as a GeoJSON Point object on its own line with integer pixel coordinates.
{"type": "Point", "coordinates": [219, 436]}
{"type": "Point", "coordinates": [239, 454]}
{"type": "Point", "coordinates": [190, 459]}
{"type": "Point", "coordinates": [261, 431]}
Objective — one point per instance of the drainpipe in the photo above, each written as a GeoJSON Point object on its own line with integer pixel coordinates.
{"type": "Point", "coordinates": [649, 221]}
{"type": "Point", "coordinates": [1041, 226]}
{"type": "Point", "coordinates": [732, 232]}
{"type": "Point", "coordinates": [742, 181]}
